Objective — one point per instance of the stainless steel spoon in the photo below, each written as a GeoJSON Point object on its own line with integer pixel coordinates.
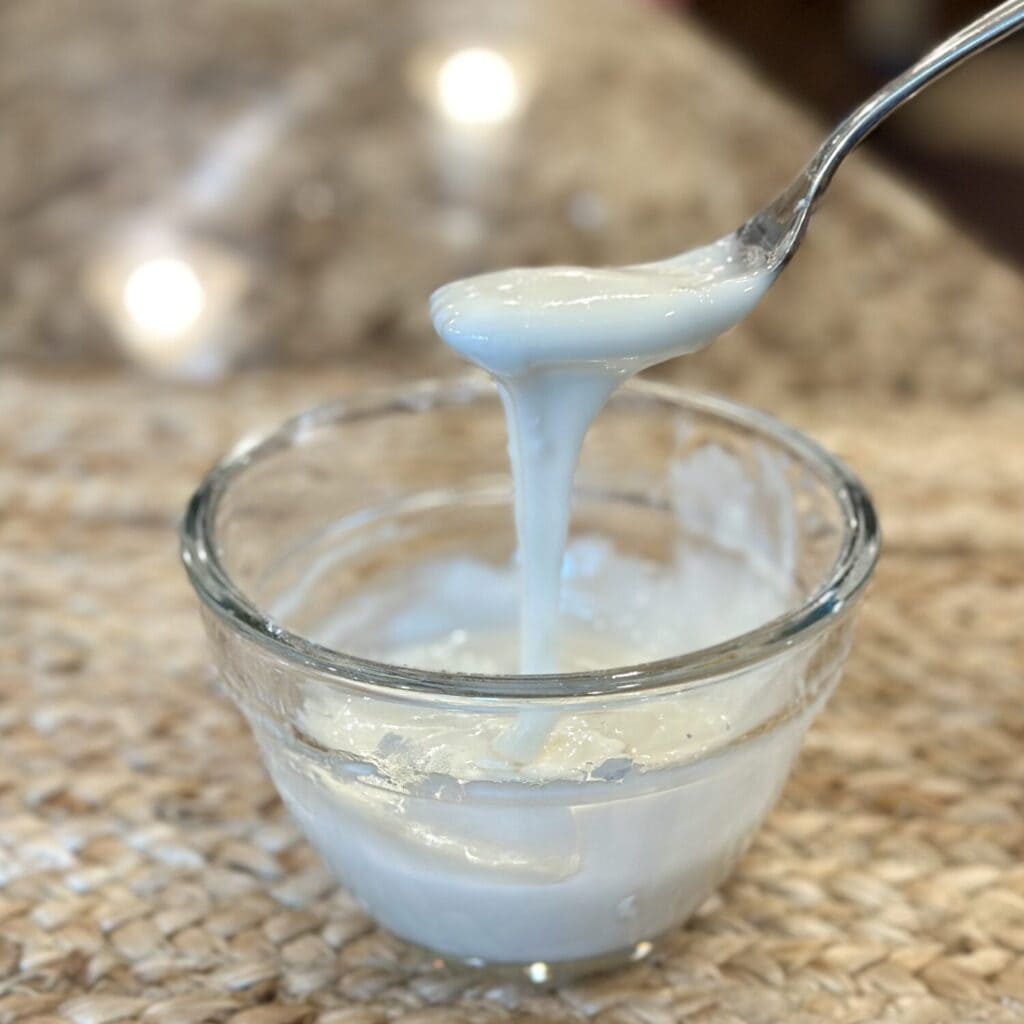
{"type": "Point", "coordinates": [770, 238]}
{"type": "Point", "coordinates": [511, 320]}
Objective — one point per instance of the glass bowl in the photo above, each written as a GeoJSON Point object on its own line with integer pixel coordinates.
{"type": "Point", "coordinates": [735, 542]}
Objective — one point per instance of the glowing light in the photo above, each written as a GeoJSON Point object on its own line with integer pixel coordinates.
{"type": "Point", "coordinates": [477, 86]}
{"type": "Point", "coordinates": [538, 972]}
{"type": "Point", "coordinates": [164, 297]}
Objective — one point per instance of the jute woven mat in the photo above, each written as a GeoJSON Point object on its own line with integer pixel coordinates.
{"type": "Point", "coordinates": [148, 872]}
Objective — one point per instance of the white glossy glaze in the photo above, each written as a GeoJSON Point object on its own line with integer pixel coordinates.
{"type": "Point", "coordinates": [558, 341]}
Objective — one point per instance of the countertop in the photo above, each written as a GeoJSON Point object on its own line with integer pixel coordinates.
{"type": "Point", "coordinates": [304, 165]}
{"type": "Point", "coordinates": [147, 870]}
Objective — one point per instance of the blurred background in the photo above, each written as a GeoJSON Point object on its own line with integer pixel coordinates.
{"type": "Point", "coordinates": [193, 187]}
{"type": "Point", "coordinates": [963, 140]}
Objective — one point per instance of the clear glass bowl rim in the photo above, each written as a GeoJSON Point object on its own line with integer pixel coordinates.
{"type": "Point", "coordinates": [848, 575]}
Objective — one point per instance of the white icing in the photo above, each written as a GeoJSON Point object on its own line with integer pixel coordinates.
{"type": "Point", "coordinates": [558, 341]}
{"type": "Point", "coordinates": [459, 616]}
{"type": "Point", "coordinates": [568, 829]}
{"type": "Point", "coordinates": [629, 812]}
{"type": "Point", "coordinates": [514, 321]}
{"type": "Point", "coordinates": [519, 871]}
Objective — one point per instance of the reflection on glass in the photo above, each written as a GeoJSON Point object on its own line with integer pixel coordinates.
{"type": "Point", "coordinates": [477, 86]}
{"type": "Point", "coordinates": [538, 972]}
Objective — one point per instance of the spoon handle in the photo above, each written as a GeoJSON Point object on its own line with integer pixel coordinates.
{"type": "Point", "coordinates": [998, 23]}
{"type": "Point", "coordinates": [776, 231]}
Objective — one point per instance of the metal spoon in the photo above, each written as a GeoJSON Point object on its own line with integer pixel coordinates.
{"type": "Point", "coordinates": [635, 316]}
{"type": "Point", "coordinates": [770, 238]}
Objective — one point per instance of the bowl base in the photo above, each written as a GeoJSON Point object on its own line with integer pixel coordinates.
{"type": "Point", "coordinates": [541, 973]}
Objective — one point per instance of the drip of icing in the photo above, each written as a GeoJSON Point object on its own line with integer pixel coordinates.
{"type": "Point", "coordinates": [591, 829]}
{"type": "Point", "coordinates": [558, 341]}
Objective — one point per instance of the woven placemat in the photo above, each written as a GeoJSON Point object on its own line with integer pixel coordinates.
{"type": "Point", "coordinates": [149, 873]}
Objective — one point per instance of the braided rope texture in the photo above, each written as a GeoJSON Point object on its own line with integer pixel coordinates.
{"type": "Point", "coordinates": [148, 872]}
